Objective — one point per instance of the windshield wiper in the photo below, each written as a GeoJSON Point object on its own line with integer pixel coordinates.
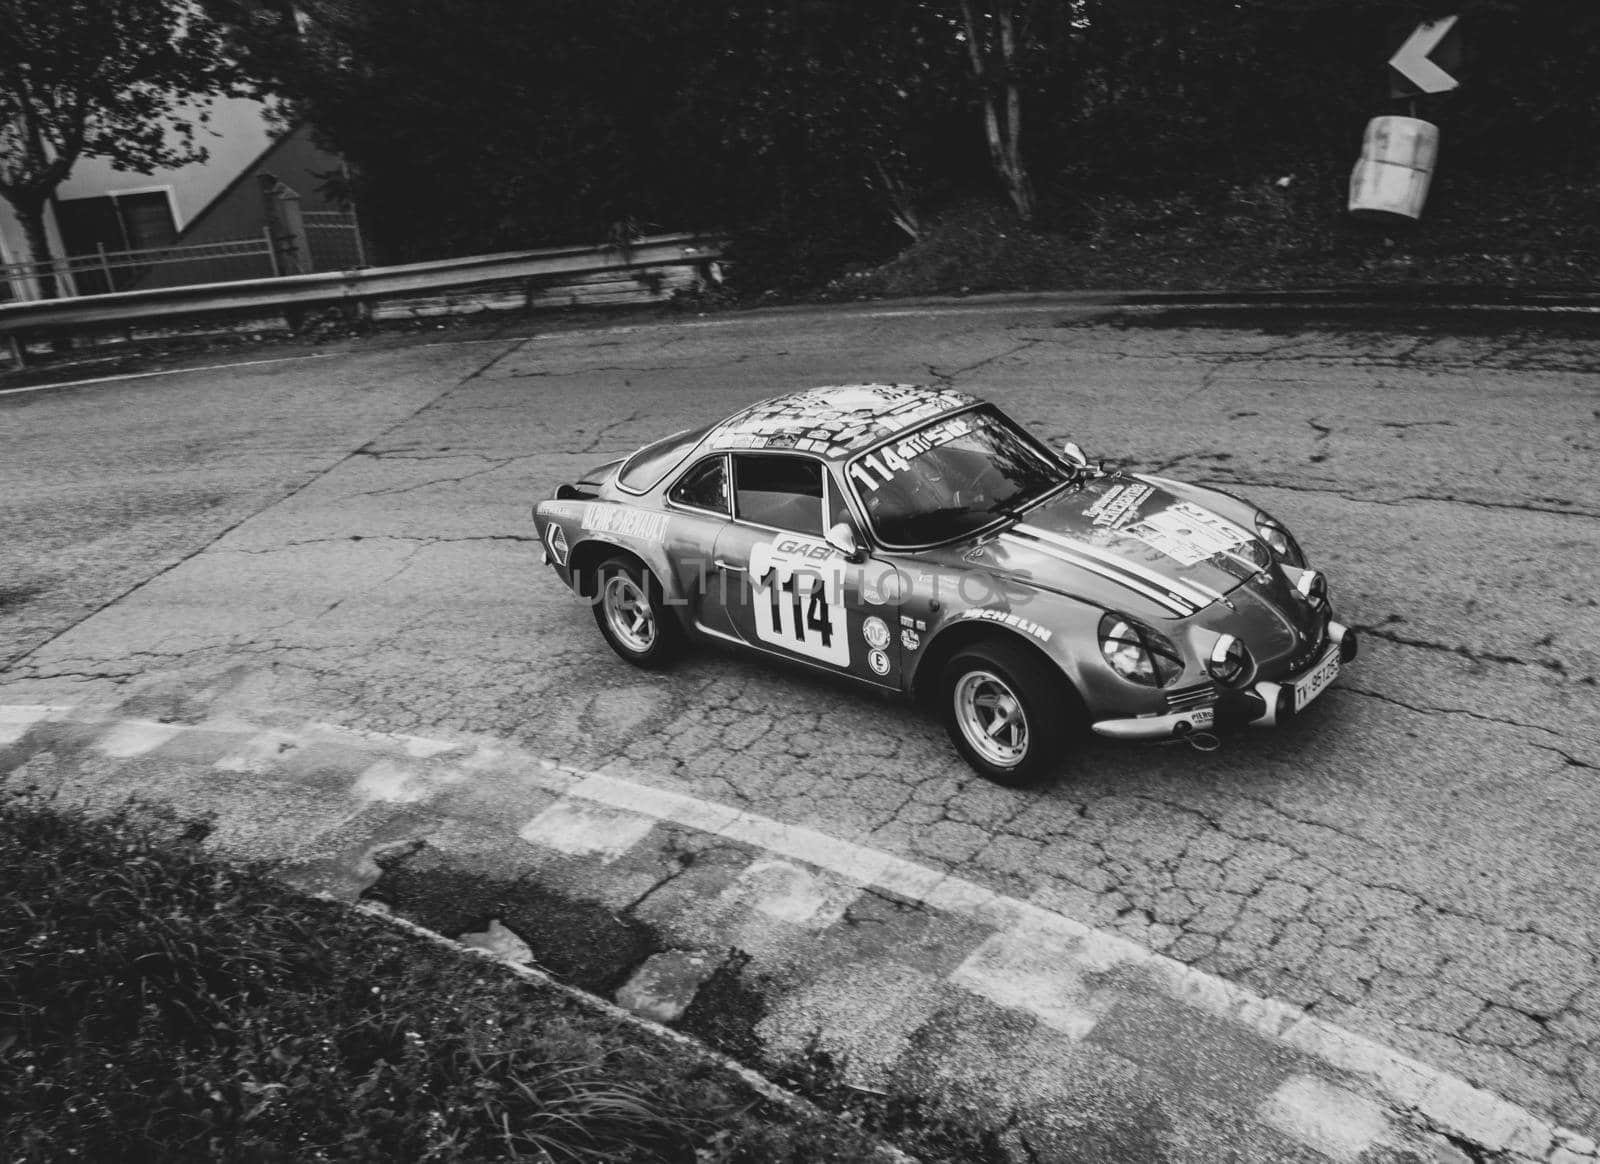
{"type": "Point", "coordinates": [1024, 499]}
{"type": "Point", "coordinates": [1009, 508]}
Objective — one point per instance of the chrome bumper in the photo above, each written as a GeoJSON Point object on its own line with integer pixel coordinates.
{"type": "Point", "coordinates": [1266, 703]}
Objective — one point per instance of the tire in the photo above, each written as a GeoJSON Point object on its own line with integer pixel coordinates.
{"type": "Point", "coordinates": [1038, 713]}
{"type": "Point", "coordinates": [632, 615]}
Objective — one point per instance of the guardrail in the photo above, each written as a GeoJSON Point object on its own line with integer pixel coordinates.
{"type": "Point", "coordinates": [504, 277]}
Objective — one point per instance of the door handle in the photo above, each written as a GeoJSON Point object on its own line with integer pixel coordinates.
{"type": "Point", "coordinates": [731, 567]}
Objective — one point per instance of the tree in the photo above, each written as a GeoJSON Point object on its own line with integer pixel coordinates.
{"type": "Point", "coordinates": [126, 80]}
{"type": "Point", "coordinates": [993, 42]}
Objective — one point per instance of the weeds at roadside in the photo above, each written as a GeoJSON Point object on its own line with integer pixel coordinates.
{"type": "Point", "coordinates": [156, 1003]}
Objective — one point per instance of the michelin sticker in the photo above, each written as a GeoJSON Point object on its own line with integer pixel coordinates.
{"type": "Point", "coordinates": [1188, 534]}
{"type": "Point", "coordinates": [1006, 618]}
{"type": "Point", "coordinates": [625, 522]}
{"type": "Point", "coordinates": [910, 640]}
{"type": "Point", "coordinates": [879, 662]}
{"type": "Point", "coordinates": [876, 632]}
{"type": "Point", "coordinates": [797, 592]}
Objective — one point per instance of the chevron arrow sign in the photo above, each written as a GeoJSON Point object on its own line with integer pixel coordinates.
{"type": "Point", "coordinates": [1412, 62]}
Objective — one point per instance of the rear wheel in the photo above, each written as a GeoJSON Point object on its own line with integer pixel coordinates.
{"type": "Point", "coordinates": [631, 613]}
{"type": "Point", "coordinates": [1008, 712]}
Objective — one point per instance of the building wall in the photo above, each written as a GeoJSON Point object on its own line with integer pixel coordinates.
{"type": "Point", "coordinates": [237, 134]}
{"type": "Point", "coordinates": [237, 211]}
{"type": "Point", "coordinates": [217, 200]}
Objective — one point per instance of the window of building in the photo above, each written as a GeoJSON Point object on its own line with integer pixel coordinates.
{"type": "Point", "coordinates": [134, 221]}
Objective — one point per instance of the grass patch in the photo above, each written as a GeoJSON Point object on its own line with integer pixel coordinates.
{"type": "Point", "coordinates": [157, 1003]}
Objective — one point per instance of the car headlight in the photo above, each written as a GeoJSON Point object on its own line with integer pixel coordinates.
{"type": "Point", "coordinates": [1313, 587]}
{"type": "Point", "coordinates": [1280, 541]}
{"type": "Point", "coordinates": [1230, 662]}
{"type": "Point", "coordinates": [1139, 653]}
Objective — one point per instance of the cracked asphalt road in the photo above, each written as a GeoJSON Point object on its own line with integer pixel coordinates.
{"type": "Point", "coordinates": [348, 537]}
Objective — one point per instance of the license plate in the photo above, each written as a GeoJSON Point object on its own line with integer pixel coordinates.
{"type": "Point", "coordinates": [1314, 684]}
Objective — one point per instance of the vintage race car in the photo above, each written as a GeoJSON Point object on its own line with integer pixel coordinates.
{"type": "Point", "coordinates": [916, 539]}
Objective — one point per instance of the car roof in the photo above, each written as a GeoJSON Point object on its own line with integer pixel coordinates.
{"type": "Point", "coordinates": [835, 421]}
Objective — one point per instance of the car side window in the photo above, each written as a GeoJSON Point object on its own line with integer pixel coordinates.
{"type": "Point", "coordinates": [705, 486]}
{"type": "Point", "coordinates": [781, 491]}
{"type": "Point", "coordinates": [838, 510]}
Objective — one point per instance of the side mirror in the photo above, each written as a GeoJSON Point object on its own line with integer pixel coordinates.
{"type": "Point", "coordinates": [842, 538]}
{"type": "Point", "coordinates": [1074, 453]}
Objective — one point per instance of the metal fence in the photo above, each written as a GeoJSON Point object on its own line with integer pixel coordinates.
{"type": "Point", "coordinates": [105, 271]}
{"type": "Point", "coordinates": [334, 239]}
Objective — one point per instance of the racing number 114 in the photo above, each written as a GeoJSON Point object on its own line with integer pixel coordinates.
{"type": "Point", "coordinates": [795, 614]}
{"type": "Point", "coordinates": [815, 617]}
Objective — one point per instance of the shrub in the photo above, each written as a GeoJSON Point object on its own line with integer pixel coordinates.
{"type": "Point", "coordinates": [156, 1003]}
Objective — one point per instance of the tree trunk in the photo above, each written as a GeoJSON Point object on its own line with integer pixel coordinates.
{"type": "Point", "coordinates": [1002, 127]}
{"type": "Point", "coordinates": [1013, 171]}
{"type": "Point", "coordinates": [30, 213]}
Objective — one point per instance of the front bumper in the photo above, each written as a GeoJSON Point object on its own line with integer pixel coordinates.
{"type": "Point", "coordinates": [1262, 704]}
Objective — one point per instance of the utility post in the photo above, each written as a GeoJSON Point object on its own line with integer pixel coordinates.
{"type": "Point", "coordinates": [285, 227]}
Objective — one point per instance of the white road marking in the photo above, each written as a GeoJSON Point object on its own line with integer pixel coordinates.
{"type": "Point", "coordinates": [16, 719]}
{"type": "Point", "coordinates": [1448, 1102]}
{"type": "Point", "coordinates": [136, 737]}
{"type": "Point", "coordinates": [257, 753]}
{"type": "Point", "coordinates": [585, 829]}
{"type": "Point", "coordinates": [1334, 1121]}
{"type": "Point", "coordinates": [1036, 972]}
{"type": "Point", "coordinates": [390, 783]}
{"type": "Point", "coordinates": [161, 372]}
{"type": "Point", "coordinates": [789, 893]}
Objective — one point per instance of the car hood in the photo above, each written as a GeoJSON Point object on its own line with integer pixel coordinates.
{"type": "Point", "coordinates": [1130, 544]}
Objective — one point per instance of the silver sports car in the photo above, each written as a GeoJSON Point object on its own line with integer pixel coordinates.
{"type": "Point", "coordinates": [918, 540]}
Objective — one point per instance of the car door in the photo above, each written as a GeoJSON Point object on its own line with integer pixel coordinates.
{"type": "Point", "coordinates": [783, 589]}
{"type": "Point", "coordinates": [701, 504]}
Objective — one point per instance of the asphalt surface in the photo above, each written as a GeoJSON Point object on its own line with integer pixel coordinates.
{"type": "Point", "coordinates": [343, 534]}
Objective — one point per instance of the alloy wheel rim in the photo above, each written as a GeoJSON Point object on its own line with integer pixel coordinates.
{"type": "Point", "coordinates": [991, 718]}
{"type": "Point", "coordinates": [628, 613]}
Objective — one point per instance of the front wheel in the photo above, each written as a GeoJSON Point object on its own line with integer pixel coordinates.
{"type": "Point", "coordinates": [1008, 712]}
{"type": "Point", "coordinates": [632, 614]}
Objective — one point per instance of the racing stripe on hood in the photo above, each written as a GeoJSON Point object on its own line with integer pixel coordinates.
{"type": "Point", "coordinates": [1066, 553]}
{"type": "Point", "coordinates": [1181, 589]}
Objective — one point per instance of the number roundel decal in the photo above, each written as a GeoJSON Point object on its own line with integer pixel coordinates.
{"type": "Point", "coordinates": [798, 589]}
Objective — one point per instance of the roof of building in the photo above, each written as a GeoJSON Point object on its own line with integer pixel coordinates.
{"type": "Point", "coordinates": [835, 421]}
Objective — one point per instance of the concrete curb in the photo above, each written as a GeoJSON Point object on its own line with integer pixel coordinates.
{"type": "Point", "coordinates": [1422, 296]}
{"type": "Point", "coordinates": [1455, 297]}
{"type": "Point", "coordinates": [1339, 1094]}
{"type": "Point", "coordinates": [1445, 1103]}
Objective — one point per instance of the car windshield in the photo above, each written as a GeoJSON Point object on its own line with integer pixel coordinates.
{"type": "Point", "coordinates": [951, 478]}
